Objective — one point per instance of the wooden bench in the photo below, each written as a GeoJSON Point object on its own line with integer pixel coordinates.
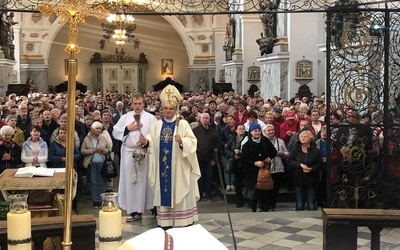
{"type": "Point", "coordinates": [341, 226]}
{"type": "Point", "coordinates": [82, 234]}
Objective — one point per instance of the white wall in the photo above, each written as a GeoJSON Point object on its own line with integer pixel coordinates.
{"type": "Point", "coordinates": [304, 36]}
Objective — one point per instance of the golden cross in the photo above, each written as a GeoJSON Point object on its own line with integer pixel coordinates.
{"type": "Point", "coordinates": [74, 12]}
{"type": "Point", "coordinates": [169, 93]}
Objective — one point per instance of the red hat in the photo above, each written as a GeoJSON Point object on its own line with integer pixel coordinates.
{"type": "Point", "coordinates": [290, 115]}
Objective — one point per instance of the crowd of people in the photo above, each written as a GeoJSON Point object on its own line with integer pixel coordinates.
{"type": "Point", "coordinates": [166, 146]}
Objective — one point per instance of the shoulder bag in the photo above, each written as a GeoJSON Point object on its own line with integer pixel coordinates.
{"type": "Point", "coordinates": [108, 170]}
{"type": "Point", "coordinates": [264, 179]}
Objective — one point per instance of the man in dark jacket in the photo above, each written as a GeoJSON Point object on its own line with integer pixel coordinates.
{"type": "Point", "coordinates": [23, 120]}
{"type": "Point", "coordinates": [118, 111]}
{"type": "Point", "coordinates": [205, 155]}
{"type": "Point", "coordinates": [49, 124]}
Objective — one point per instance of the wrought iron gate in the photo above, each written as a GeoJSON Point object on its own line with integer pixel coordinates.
{"type": "Point", "coordinates": [363, 57]}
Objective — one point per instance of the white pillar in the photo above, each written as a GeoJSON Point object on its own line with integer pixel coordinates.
{"type": "Point", "coordinates": [219, 41]}
{"type": "Point", "coordinates": [251, 29]}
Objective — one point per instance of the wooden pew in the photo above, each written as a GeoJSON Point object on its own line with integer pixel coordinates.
{"type": "Point", "coordinates": [83, 231]}
{"type": "Point", "coordinates": [341, 226]}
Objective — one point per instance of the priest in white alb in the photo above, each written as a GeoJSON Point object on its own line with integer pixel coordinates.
{"type": "Point", "coordinates": [135, 194]}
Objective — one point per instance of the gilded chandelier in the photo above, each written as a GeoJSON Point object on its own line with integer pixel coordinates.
{"type": "Point", "coordinates": [120, 27]}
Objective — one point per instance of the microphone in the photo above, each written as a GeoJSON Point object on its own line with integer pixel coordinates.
{"type": "Point", "coordinates": [215, 141]}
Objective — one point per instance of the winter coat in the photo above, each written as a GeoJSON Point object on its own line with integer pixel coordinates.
{"type": "Point", "coordinates": [277, 164]}
{"type": "Point", "coordinates": [252, 152]}
{"type": "Point", "coordinates": [231, 146]}
{"type": "Point", "coordinates": [313, 159]}
{"type": "Point", "coordinates": [27, 154]}
{"type": "Point", "coordinates": [87, 148]}
{"type": "Point", "coordinates": [15, 152]}
{"type": "Point", "coordinates": [57, 151]}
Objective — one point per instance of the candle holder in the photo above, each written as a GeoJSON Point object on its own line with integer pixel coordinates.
{"type": "Point", "coordinates": [110, 222]}
{"type": "Point", "coordinates": [19, 223]}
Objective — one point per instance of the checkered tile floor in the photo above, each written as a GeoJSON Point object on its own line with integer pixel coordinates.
{"type": "Point", "coordinates": [281, 230]}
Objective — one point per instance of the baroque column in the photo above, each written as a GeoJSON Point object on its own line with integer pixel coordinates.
{"type": "Point", "coordinates": [274, 67]}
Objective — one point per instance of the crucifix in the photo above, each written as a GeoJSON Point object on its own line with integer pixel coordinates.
{"type": "Point", "coordinates": [74, 12]}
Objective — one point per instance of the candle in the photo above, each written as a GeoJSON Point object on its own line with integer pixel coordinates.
{"type": "Point", "coordinates": [19, 226]}
{"type": "Point", "coordinates": [110, 223]}
{"type": "Point", "coordinates": [19, 223]}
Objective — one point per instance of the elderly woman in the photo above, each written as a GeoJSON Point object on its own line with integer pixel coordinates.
{"type": "Point", "coordinates": [57, 150]}
{"type": "Point", "coordinates": [277, 166]}
{"type": "Point", "coordinates": [10, 152]}
{"type": "Point", "coordinates": [94, 149]}
{"type": "Point", "coordinates": [35, 151]}
{"type": "Point", "coordinates": [306, 161]}
{"type": "Point", "coordinates": [257, 153]}
{"type": "Point", "coordinates": [19, 137]}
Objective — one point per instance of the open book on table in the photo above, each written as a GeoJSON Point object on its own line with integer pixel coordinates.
{"type": "Point", "coordinates": [195, 237]}
{"type": "Point", "coordinates": [31, 171]}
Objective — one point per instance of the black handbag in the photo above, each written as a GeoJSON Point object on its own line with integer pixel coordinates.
{"type": "Point", "coordinates": [108, 170]}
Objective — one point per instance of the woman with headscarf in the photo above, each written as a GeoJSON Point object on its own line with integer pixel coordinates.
{"type": "Point", "coordinates": [257, 153]}
{"type": "Point", "coordinates": [94, 149]}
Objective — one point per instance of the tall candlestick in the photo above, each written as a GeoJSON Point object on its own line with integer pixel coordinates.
{"type": "Point", "coordinates": [19, 223]}
{"type": "Point", "coordinates": [110, 222]}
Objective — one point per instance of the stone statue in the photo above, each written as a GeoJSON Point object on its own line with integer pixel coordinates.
{"type": "Point", "coordinates": [230, 35]}
{"type": "Point", "coordinates": [32, 84]}
{"type": "Point", "coordinates": [202, 85]}
{"type": "Point", "coordinates": [142, 58]}
{"type": "Point", "coordinates": [268, 19]}
{"type": "Point", "coordinates": [7, 34]}
{"type": "Point", "coordinates": [7, 31]}
{"type": "Point", "coordinates": [96, 58]}
{"type": "Point", "coordinates": [102, 43]}
{"type": "Point", "coordinates": [266, 44]}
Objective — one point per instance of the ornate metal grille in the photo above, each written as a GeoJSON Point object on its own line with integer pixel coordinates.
{"type": "Point", "coordinates": [363, 65]}
{"type": "Point", "coordinates": [211, 7]}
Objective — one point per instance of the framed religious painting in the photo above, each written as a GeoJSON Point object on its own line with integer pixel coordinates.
{"type": "Point", "coordinates": [127, 74]}
{"type": "Point", "coordinates": [167, 66]}
{"type": "Point", "coordinates": [113, 74]}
